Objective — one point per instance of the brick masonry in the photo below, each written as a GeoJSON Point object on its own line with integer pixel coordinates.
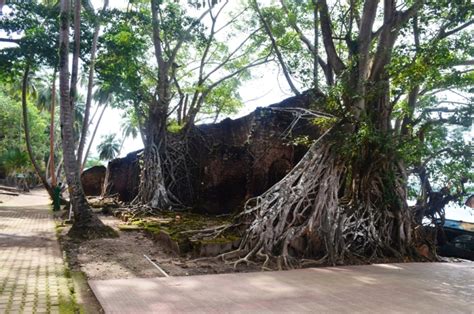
{"type": "Point", "coordinates": [32, 272]}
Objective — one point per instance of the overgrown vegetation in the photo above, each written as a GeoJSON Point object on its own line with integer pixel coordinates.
{"type": "Point", "coordinates": [395, 76]}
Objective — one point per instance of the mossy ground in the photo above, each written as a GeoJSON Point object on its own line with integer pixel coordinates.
{"type": "Point", "coordinates": [178, 225]}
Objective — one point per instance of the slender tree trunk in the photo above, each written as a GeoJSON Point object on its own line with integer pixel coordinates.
{"type": "Point", "coordinates": [51, 132]}
{"type": "Point", "coordinates": [58, 169]}
{"type": "Point", "coordinates": [276, 49]}
{"type": "Point", "coordinates": [121, 145]}
{"type": "Point", "coordinates": [26, 128]}
{"type": "Point", "coordinates": [316, 44]}
{"type": "Point", "coordinates": [76, 52]}
{"type": "Point", "coordinates": [47, 173]}
{"type": "Point", "coordinates": [93, 137]}
{"type": "Point", "coordinates": [85, 122]}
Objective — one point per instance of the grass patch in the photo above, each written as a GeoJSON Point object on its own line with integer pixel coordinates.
{"type": "Point", "coordinates": [66, 306]}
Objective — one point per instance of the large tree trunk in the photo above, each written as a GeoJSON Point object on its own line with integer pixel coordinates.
{"type": "Point", "coordinates": [153, 190]}
{"type": "Point", "coordinates": [26, 128]}
{"type": "Point", "coordinates": [344, 200]}
{"type": "Point", "coordinates": [86, 225]}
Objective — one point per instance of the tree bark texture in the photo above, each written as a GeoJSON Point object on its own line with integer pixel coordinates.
{"type": "Point", "coordinates": [26, 128]}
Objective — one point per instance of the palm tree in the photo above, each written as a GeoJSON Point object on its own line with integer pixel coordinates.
{"type": "Point", "coordinates": [47, 99]}
{"type": "Point", "coordinates": [109, 147]}
{"type": "Point", "coordinates": [29, 147]}
{"type": "Point", "coordinates": [103, 96]}
{"type": "Point", "coordinates": [86, 224]}
{"type": "Point", "coordinates": [129, 126]}
{"type": "Point", "coordinates": [90, 82]}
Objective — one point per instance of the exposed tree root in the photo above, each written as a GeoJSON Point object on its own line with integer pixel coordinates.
{"type": "Point", "coordinates": [165, 174]}
{"type": "Point", "coordinates": [152, 190]}
{"type": "Point", "coordinates": [324, 212]}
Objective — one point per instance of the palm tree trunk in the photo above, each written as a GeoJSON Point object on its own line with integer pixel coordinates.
{"type": "Point", "coordinates": [140, 123]}
{"type": "Point", "coordinates": [82, 213]}
{"type": "Point", "coordinates": [51, 133]}
{"type": "Point", "coordinates": [85, 122]}
{"type": "Point", "coordinates": [26, 128]}
{"type": "Point", "coordinates": [76, 52]}
{"type": "Point", "coordinates": [93, 137]}
{"type": "Point", "coordinates": [59, 168]}
{"type": "Point", "coordinates": [121, 145]}
{"type": "Point", "coordinates": [46, 173]}
{"type": "Point", "coordinates": [85, 225]}
{"type": "Point", "coordinates": [79, 203]}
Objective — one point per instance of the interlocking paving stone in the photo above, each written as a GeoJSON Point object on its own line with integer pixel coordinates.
{"type": "Point", "coordinates": [401, 288]}
{"type": "Point", "coordinates": [31, 264]}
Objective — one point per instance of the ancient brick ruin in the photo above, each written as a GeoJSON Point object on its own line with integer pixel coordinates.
{"type": "Point", "coordinates": [232, 160]}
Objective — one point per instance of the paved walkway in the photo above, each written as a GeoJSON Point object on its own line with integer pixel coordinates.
{"type": "Point", "coordinates": [32, 278]}
{"type": "Point", "coordinates": [425, 288]}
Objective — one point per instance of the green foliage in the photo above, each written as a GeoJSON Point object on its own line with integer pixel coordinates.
{"type": "Point", "coordinates": [37, 22]}
{"type": "Point", "coordinates": [296, 56]}
{"type": "Point", "coordinates": [324, 123]}
{"type": "Point", "coordinates": [302, 140]}
{"type": "Point", "coordinates": [223, 100]}
{"type": "Point", "coordinates": [13, 155]}
{"type": "Point", "coordinates": [174, 127]}
{"type": "Point", "coordinates": [122, 57]}
{"type": "Point", "coordinates": [15, 161]}
{"type": "Point", "coordinates": [130, 125]}
{"type": "Point", "coordinates": [93, 161]}
{"type": "Point", "coordinates": [206, 69]}
{"type": "Point", "coordinates": [109, 147]}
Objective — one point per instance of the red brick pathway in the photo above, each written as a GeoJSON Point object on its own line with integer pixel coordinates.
{"type": "Point", "coordinates": [32, 277]}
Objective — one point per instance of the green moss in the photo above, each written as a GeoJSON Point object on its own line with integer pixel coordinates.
{"type": "Point", "coordinates": [68, 306]}
{"type": "Point", "coordinates": [175, 224]}
{"type": "Point", "coordinates": [59, 229]}
{"type": "Point", "coordinates": [151, 227]}
{"type": "Point", "coordinates": [124, 227]}
{"type": "Point", "coordinates": [137, 222]}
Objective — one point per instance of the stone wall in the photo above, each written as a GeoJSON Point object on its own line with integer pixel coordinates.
{"type": "Point", "coordinates": [93, 180]}
{"type": "Point", "coordinates": [231, 161]}
{"type": "Point", "coordinates": [123, 177]}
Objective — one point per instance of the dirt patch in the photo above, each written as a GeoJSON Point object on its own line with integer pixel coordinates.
{"type": "Point", "coordinates": [123, 257]}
